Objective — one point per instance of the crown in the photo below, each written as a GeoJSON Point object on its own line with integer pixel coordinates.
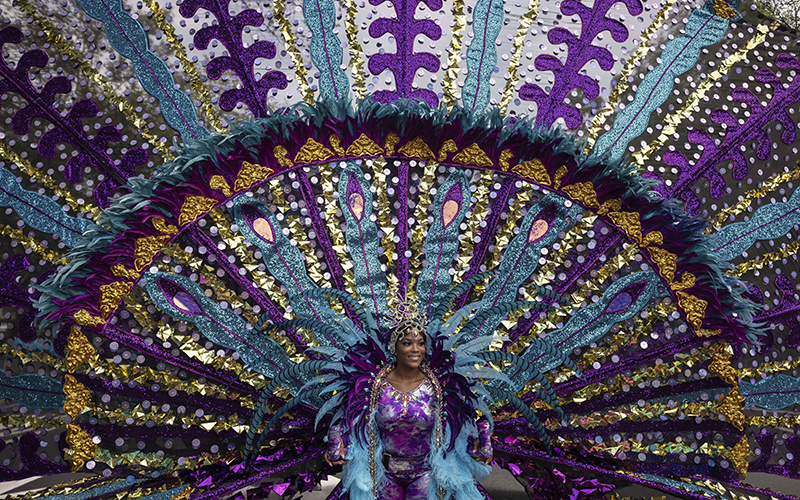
{"type": "Point", "coordinates": [406, 317]}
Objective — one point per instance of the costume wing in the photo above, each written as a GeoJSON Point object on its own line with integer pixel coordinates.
{"type": "Point", "coordinates": [212, 211]}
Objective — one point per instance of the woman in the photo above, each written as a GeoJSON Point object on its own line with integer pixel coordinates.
{"type": "Point", "coordinates": [406, 431]}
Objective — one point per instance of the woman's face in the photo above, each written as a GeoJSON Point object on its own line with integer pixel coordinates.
{"type": "Point", "coordinates": [410, 350]}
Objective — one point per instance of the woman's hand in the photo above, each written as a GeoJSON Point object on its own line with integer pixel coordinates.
{"type": "Point", "coordinates": [340, 460]}
{"type": "Point", "coordinates": [486, 461]}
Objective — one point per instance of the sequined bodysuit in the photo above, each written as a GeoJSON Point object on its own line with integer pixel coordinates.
{"type": "Point", "coordinates": [406, 421]}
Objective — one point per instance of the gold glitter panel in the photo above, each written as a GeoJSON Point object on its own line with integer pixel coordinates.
{"type": "Point", "coordinates": [312, 151]}
{"type": "Point", "coordinates": [533, 169]}
{"type": "Point", "coordinates": [279, 8]}
{"type": "Point", "coordinates": [364, 146]}
{"type": "Point", "coordinates": [695, 309]}
{"type": "Point", "coordinates": [79, 350]}
{"type": "Point", "coordinates": [731, 406]}
{"type": "Point", "coordinates": [219, 182]}
{"type": "Point", "coordinates": [249, 175]}
{"type": "Point", "coordinates": [81, 447]}
{"type": "Point", "coordinates": [193, 207]}
{"type": "Point", "coordinates": [145, 250]}
{"type": "Point", "coordinates": [519, 39]}
{"type": "Point", "coordinates": [78, 396]}
{"type": "Point", "coordinates": [473, 155]}
{"type": "Point", "coordinates": [110, 296]}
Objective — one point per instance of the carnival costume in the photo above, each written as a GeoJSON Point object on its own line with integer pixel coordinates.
{"type": "Point", "coordinates": [213, 215]}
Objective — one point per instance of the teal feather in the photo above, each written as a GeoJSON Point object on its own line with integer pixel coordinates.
{"type": "Point", "coordinates": [283, 260]}
{"type": "Point", "coordinates": [355, 200]}
{"type": "Point", "coordinates": [40, 212]}
{"type": "Point", "coordinates": [182, 299]}
{"type": "Point", "coordinates": [538, 229]}
{"type": "Point", "coordinates": [449, 209]}
{"type": "Point", "coordinates": [449, 299]}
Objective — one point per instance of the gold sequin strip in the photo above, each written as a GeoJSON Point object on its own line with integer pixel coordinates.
{"type": "Point", "coordinates": [519, 39]}
{"type": "Point", "coordinates": [421, 221]}
{"type": "Point", "coordinates": [45, 421]}
{"type": "Point", "coordinates": [145, 375]}
{"type": "Point", "coordinates": [33, 244]}
{"type": "Point", "coordinates": [294, 52]}
{"type": "Point", "coordinates": [647, 36]}
{"type": "Point", "coordinates": [544, 274]}
{"type": "Point", "coordinates": [26, 357]}
{"type": "Point", "coordinates": [787, 421]}
{"type": "Point", "coordinates": [261, 279]}
{"type": "Point", "coordinates": [505, 234]}
{"type": "Point", "coordinates": [186, 344]}
{"type": "Point", "coordinates": [238, 244]}
{"type": "Point", "coordinates": [768, 368]}
{"type": "Point", "coordinates": [767, 259]}
{"type": "Point", "coordinates": [673, 121]}
{"type": "Point", "coordinates": [450, 80]}
{"type": "Point", "coordinates": [356, 62]}
{"type": "Point", "coordinates": [557, 315]}
{"type": "Point", "coordinates": [334, 228]}
{"type": "Point", "coordinates": [188, 66]}
{"type": "Point", "coordinates": [636, 413]}
{"type": "Point", "coordinates": [627, 336]}
{"type": "Point", "coordinates": [138, 458]}
{"type": "Point", "coordinates": [635, 446]}
{"type": "Point", "coordinates": [660, 372]}
{"type": "Point", "coordinates": [44, 179]}
{"type": "Point", "coordinates": [387, 228]}
{"type": "Point", "coordinates": [767, 187]}
{"type": "Point", "coordinates": [479, 214]}
{"type": "Point", "coordinates": [120, 103]}
{"type": "Point", "coordinates": [300, 235]}
{"type": "Point", "coordinates": [137, 415]}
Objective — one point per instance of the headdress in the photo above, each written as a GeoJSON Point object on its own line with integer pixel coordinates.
{"type": "Point", "coordinates": [405, 318]}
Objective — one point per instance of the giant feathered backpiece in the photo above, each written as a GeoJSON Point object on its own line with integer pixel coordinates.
{"type": "Point", "coordinates": [214, 212]}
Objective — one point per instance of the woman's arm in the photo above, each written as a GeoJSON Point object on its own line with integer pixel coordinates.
{"type": "Point", "coordinates": [336, 451]}
{"type": "Point", "coordinates": [482, 449]}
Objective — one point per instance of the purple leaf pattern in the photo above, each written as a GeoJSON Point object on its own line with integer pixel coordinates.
{"type": "Point", "coordinates": [253, 92]}
{"type": "Point", "coordinates": [569, 75]}
{"type": "Point", "coordinates": [67, 129]}
{"type": "Point", "coordinates": [738, 134]}
{"type": "Point", "coordinates": [11, 295]}
{"type": "Point", "coordinates": [404, 63]}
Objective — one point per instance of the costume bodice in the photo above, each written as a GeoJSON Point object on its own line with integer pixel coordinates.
{"type": "Point", "coordinates": [406, 419]}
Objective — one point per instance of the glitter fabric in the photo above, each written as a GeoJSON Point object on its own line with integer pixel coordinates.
{"type": "Point", "coordinates": [212, 211]}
